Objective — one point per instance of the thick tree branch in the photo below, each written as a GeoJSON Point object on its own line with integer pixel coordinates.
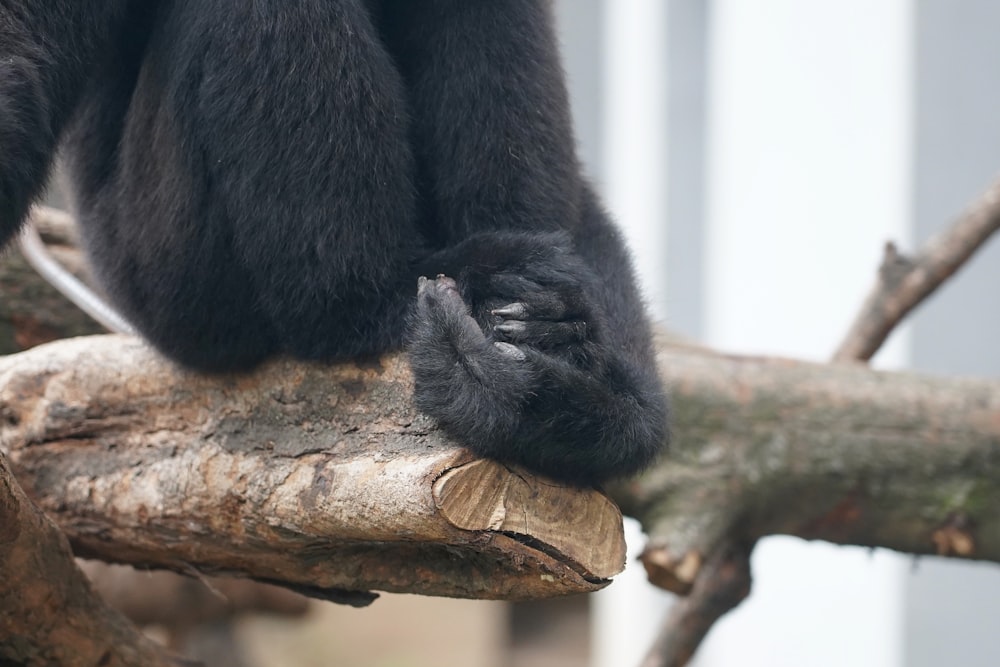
{"type": "Point", "coordinates": [49, 614]}
{"type": "Point", "coordinates": [768, 446]}
{"type": "Point", "coordinates": [146, 464]}
{"type": "Point", "coordinates": [904, 282]}
{"type": "Point", "coordinates": [839, 453]}
{"type": "Point", "coordinates": [322, 478]}
{"type": "Point", "coordinates": [833, 452]}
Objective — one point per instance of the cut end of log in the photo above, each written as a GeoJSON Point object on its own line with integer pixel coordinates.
{"type": "Point", "coordinates": [670, 572]}
{"type": "Point", "coordinates": [581, 527]}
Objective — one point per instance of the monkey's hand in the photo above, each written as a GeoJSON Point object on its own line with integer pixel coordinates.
{"type": "Point", "coordinates": [509, 358]}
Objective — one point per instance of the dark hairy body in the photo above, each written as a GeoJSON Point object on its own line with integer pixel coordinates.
{"type": "Point", "coordinates": [265, 177]}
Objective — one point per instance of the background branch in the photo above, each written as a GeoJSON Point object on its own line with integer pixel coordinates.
{"type": "Point", "coordinates": [196, 617]}
{"type": "Point", "coordinates": [833, 452]}
{"type": "Point", "coordinates": [904, 282]}
{"type": "Point", "coordinates": [722, 584]}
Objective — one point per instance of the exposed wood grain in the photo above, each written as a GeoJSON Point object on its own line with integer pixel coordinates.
{"type": "Point", "coordinates": [318, 477]}
{"type": "Point", "coordinates": [484, 495]}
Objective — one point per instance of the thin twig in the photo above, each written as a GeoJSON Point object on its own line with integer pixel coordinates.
{"type": "Point", "coordinates": [722, 583]}
{"type": "Point", "coordinates": [903, 283]}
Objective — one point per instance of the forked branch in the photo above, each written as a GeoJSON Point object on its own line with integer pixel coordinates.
{"type": "Point", "coordinates": [904, 282]}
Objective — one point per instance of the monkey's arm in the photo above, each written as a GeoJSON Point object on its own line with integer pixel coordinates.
{"type": "Point", "coordinates": [47, 49]}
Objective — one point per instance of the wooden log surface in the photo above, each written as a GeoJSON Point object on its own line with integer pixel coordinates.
{"type": "Point", "coordinates": [836, 452]}
{"type": "Point", "coordinates": [49, 614]}
{"type": "Point", "coordinates": [323, 478]}
{"type": "Point", "coordinates": [761, 446]}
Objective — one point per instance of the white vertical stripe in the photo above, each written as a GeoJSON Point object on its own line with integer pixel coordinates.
{"type": "Point", "coordinates": [810, 133]}
{"type": "Point", "coordinates": [810, 142]}
{"type": "Point", "coordinates": [635, 169]}
{"type": "Point", "coordinates": [627, 615]}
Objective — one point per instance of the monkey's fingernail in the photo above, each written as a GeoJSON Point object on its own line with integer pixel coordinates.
{"type": "Point", "coordinates": [511, 327]}
{"type": "Point", "coordinates": [517, 311]}
{"type": "Point", "coordinates": [511, 351]}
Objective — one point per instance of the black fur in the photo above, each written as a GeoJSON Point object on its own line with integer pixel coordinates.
{"type": "Point", "coordinates": [264, 177]}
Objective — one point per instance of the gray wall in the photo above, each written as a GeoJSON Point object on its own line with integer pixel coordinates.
{"type": "Point", "coordinates": [952, 609]}
{"type": "Point", "coordinates": [579, 24]}
{"type": "Point", "coordinates": [687, 50]}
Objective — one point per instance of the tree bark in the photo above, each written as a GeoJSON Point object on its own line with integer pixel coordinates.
{"type": "Point", "coordinates": [142, 463]}
{"type": "Point", "coordinates": [324, 479]}
{"type": "Point", "coordinates": [723, 583]}
{"type": "Point", "coordinates": [833, 452]}
{"type": "Point", "coordinates": [49, 614]}
{"type": "Point", "coordinates": [904, 282]}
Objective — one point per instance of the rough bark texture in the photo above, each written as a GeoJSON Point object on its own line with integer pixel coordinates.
{"type": "Point", "coordinates": [833, 452]}
{"type": "Point", "coordinates": [322, 478]}
{"type": "Point", "coordinates": [904, 282]}
{"type": "Point", "coordinates": [723, 584]}
{"type": "Point", "coordinates": [49, 614]}
{"type": "Point", "coordinates": [327, 479]}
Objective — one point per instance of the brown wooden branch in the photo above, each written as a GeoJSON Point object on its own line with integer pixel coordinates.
{"type": "Point", "coordinates": [49, 614]}
{"type": "Point", "coordinates": [324, 479]}
{"type": "Point", "coordinates": [904, 282]}
{"type": "Point", "coordinates": [833, 452]}
{"type": "Point", "coordinates": [762, 446]}
{"type": "Point", "coordinates": [721, 585]}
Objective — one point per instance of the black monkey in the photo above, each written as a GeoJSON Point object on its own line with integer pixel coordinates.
{"type": "Point", "coordinates": [262, 177]}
